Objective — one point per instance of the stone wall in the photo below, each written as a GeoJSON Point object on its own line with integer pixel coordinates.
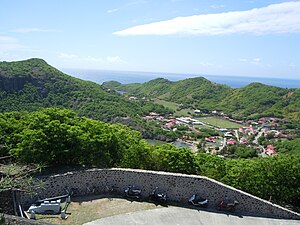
{"type": "Point", "coordinates": [179, 187]}
{"type": "Point", "coordinates": [6, 202]}
{"type": "Point", "coordinates": [15, 220]}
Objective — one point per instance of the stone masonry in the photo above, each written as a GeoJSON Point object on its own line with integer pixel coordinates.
{"type": "Point", "coordinates": [179, 188]}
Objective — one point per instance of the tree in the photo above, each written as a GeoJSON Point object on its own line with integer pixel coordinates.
{"type": "Point", "coordinates": [242, 152]}
{"type": "Point", "coordinates": [173, 159]}
{"type": "Point", "coordinates": [210, 165]}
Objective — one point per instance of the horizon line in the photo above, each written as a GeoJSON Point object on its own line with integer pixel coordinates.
{"type": "Point", "coordinates": [186, 74]}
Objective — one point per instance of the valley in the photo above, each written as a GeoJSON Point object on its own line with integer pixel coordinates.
{"type": "Point", "coordinates": [51, 121]}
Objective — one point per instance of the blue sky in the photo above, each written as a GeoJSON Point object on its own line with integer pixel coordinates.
{"type": "Point", "coordinates": [242, 38]}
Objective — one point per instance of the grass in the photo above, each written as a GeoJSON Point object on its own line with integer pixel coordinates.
{"type": "Point", "coordinates": [174, 106]}
{"type": "Point", "coordinates": [183, 112]}
{"type": "Point", "coordinates": [220, 123]}
{"type": "Point", "coordinates": [213, 121]}
{"type": "Point", "coordinates": [89, 208]}
{"type": "Point", "coordinates": [11, 169]}
{"type": "Point", "coordinates": [155, 142]}
{"type": "Point", "coordinates": [171, 105]}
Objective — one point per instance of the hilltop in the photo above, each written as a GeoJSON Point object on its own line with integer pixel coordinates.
{"type": "Point", "coordinates": [32, 84]}
{"type": "Point", "coordinates": [253, 100]}
{"type": "Point", "coordinates": [58, 137]}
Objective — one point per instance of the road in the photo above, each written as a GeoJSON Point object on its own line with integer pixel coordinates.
{"type": "Point", "coordinates": [184, 216]}
{"type": "Point", "coordinates": [258, 136]}
{"type": "Point", "coordinates": [237, 135]}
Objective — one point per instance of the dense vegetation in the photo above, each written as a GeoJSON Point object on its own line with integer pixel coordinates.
{"type": "Point", "coordinates": [33, 84]}
{"type": "Point", "coordinates": [59, 137]}
{"type": "Point", "coordinates": [290, 147]}
{"type": "Point", "coordinates": [251, 101]}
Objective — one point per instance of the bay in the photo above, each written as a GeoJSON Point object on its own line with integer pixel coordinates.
{"type": "Point", "coordinates": [126, 77]}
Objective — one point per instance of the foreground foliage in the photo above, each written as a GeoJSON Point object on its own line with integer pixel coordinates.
{"type": "Point", "coordinates": [59, 137]}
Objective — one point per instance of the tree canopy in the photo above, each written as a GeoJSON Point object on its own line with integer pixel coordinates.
{"type": "Point", "coordinates": [59, 137]}
{"type": "Point", "coordinates": [33, 84]}
{"type": "Point", "coordinates": [253, 100]}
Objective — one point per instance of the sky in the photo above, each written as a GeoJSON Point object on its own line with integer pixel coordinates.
{"type": "Point", "coordinates": [258, 38]}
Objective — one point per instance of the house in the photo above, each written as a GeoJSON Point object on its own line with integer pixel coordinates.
{"type": "Point", "coordinates": [231, 141]}
{"type": "Point", "coordinates": [262, 120]}
{"type": "Point", "coordinates": [169, 126]}
{"type": "Point", "coordinates": [186, 120]}
{"type": "Point", "coordinates": [210, 139]}
{"type": "Point", "coordinates": [198, 123]}
{"type": "Point", "coordinates": [148, 117]}
{"type": "Point", "coordinates": [160, 118]}
{"type": "Point", "coordinates": [244, 141]}
{"type": "Point", "coordinates": [197, 111]}
{"type": "Point", "coordinates": [132, 98]}
{"type": "Point", "coordinates": [270, 150]}
{"type": "Point", "coordinates": [223, 130]}
{"type": "Point", "coordinates": [249, 130]}
{"type": "Point", "coordinates": [241, 130]}
{"type": "Point", "coordinates": [273, 119]}
{"type": "Point", "coordinates": [228, 134]}
{"type": "Point", "coordinates": [274, 125]}
{"type": "Point", "coordinates": [279, 134]}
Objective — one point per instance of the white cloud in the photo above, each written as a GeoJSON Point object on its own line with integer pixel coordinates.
{"type": "Point", "coordinates": [67, 56]}
{"type": "Point", "coordinates": [206, 64]}
{"type": "Point", "coordinates": [114, 59]}
{"type": "Point", "coordinates": [214, 6]}
{"type": "Point", "coordinates": [29, 30]}
{"type": "Point", "coordinates": [91, 59]}
{"type": "Point", "coordinates": [112, 10]}
{"type": "Point", "coordinates": [272, 19]}
{"type": "Point", "coordinates": [8, 44]}
{"type": "Point", "coordinates": [137, 2]}
{"type": "Point", "coordinates": [256, 60]}
{"type": "Point", "coordinates": [7, 39]}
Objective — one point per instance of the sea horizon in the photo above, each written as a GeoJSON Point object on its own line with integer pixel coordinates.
{"type": "Point", "coordinates": [127, 77]}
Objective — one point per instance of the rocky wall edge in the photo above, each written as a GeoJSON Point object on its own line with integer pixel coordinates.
{"type": "Point", "coordinates": [179, 188]}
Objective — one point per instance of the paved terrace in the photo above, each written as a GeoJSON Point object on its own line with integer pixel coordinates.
{"type": "Point", "coordinates": [184, 216]}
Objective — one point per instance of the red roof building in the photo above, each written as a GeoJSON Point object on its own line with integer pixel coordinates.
{"type": "Point", "coordinates": [270, 150]}
{"type": "Point", "coordinates": [231, 141]}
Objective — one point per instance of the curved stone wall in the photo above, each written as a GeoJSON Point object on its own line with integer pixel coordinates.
{"type": "Point", "coordinates": [179, 187]}
{"type": "Point", "coordinates": [15, 220]}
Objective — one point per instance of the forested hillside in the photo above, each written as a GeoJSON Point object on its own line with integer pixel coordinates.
{"type": "Point", "coordinates": [32, 84]}
{"type": "Point", "coordinates": [58, 137]}
{"type": "Point", "coordinates": [255, 99]}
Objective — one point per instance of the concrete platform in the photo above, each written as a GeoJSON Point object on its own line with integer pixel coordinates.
{"type": "Point", "coordinates": [184, 216]}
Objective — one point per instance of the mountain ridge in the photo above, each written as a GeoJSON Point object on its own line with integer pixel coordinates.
{"type": "Point", "coordinates": [255, 99]}
{"type": "Point", "coordinates": [32, 84]}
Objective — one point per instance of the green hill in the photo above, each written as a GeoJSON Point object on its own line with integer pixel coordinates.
{"type": "Point", "coordinates": [255, 99]}
{"type": "Point", "coordinates": [195, 92]}
{"type": "Point", "coordinates": [263, 99]}
{"type": "Point", "coordinates": [33, 84]}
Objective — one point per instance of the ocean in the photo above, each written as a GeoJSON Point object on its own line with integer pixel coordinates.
{"type": "Point", "coordinates": [126, 77]}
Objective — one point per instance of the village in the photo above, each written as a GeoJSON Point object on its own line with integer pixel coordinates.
{"type": "Point", "coordinates": [218, 134]}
